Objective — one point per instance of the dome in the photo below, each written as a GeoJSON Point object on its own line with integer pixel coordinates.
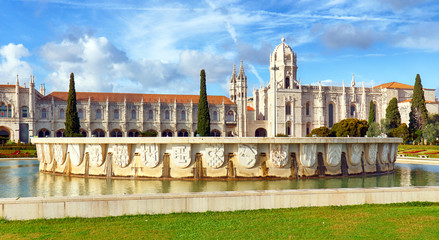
{"type": "Point", "coordinates": [283, 54]}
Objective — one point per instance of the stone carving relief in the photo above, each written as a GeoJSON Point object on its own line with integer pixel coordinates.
{"type": "Point", "coordinates": [47, 154]}
{"type": "Point", "coordinates": [355, 152]}
{"type": "Point", "coordinates": [95, 154]}
{"type": "Point", "coordinates": [247, 155]}
{"type": "Point", "coordinates": [214, 155]}
{"type": "Point", "coordinates": [181, 155]}
{"type": "Point", "coordinates": [149, 153]}
{"type": "Point", "coordinates": [121, 154]}
{"type": "Point", "coordinates": [385, 153]}
{"type": "Point", "coordinates": [308, 154]}
{"type": "Point", "coordinates": [59, 153]}
{"type": "Point", "coordinates": [372, 153]}
{"type": "Point", "coordinates": [333, 157]}
{"type": "Point", "coordinates": [279, 155]}
{"type": "Point", "coordinates": [75, 153]}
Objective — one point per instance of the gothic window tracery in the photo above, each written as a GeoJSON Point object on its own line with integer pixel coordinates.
{"type": "Point", "coordinates": [133, 115]}
{"type": "Point", "coordinates": [62, 113]}
{"type": "Point", "coordinates": [183, 133]}
{"type": "Point", "coordinates": [116, 114]}
{"type": "Point", "coordinates": [215, 116]}
{"type": "Point", "coordinates": [330, 115]}
{"type": "Point", "coordinates": [80, 114]}
{"type": "Point", "coordinates": [167, 133]}
{"type": "Point", "coordinates": [98, 133]}
{"type": "Point", "coordinates": [215, 133]}
{"type": "Point", "coordinates": [98, 114]}
{"type": "Point", "coordinates": [116, 133]}
{"type": "Point", "coordinates": [287, 82]}
{"type": "Point", "coordinates": [167, 115]}
{"type": "Point", "coordinates": [353, 110]}
{"type": "Point", "coordinates": [183, 115]}
{"type": "Point", "coordinates": [288, 108]}
{"type": "Point", "coordinates": [307, 109]}
{"type": "Point", "coordinates": [150, 115]}
{"type": "Point", "coordinates": [230, 116]}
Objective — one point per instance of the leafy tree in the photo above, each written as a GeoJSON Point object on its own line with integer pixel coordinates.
{"type": "Point", "coordinates": [374, 129]}
{"type": "Point", "coordinates": [418, 111]}
{"type": "Point", "coordinates": [203, 124]}
{"type": "Point", "coordinates": [431, 132]}
{"type": "Point", "coordinates": [433, 118]}
{"type": "Point", "coordinates": [351, 127]}
{"type": "Point", "coordinates": [393, 117]}
{"type": "Point", "coordinates": [72, 124]}
{"type": "Point", "coordinates": [371, 112]}
{"type": "Point", "coordinates": [402, 131]}
{"type": "Point", "coordinates": [320, 132]}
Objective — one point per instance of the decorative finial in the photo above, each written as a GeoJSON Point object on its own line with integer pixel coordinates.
{"type": "Point", "coordinates": [283, 39]}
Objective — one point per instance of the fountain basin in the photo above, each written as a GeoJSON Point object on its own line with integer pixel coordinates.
{"type": "Point", "coordinates": [216, 157]}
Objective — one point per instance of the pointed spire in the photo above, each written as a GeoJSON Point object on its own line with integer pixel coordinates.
{"type": "Point", "coordinates": [320, 86]}
{"type": "Point", "coordinates": [233, 78]}
{"type": "Point", "coordinates": [16, 82]}
{"type": "Point", "coordinates": [353, 81]}
{"type": "Point", "coordinates": [241, 71]}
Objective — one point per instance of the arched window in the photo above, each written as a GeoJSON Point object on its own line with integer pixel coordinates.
{"type": "Point", "coordinates": [307, 108]}
{"type": "Point", "coordinates": [43, 113]}
{"type": "Point", "coordinates": [116, 114]}
{"type": "Point", "coordinates": [288, 108]}
{"type": "Point", "coordinates": [150, 115]}
{"type": "Point", "coordinates": [167, 115]}
{"type": "Point", "coordinates": [3, 110]}
{"type": "Point", "coordinates": [133, 115]}
{"type": "Point", "coordinates": [330, 115]}
{"type": "Point", "coordinates": [62, 114]}
{"type": "Point", "coordinates": [215, 133]}
{"type": "Point", "coordinates": [83, 132]}
{"type": "Point", "coordinates": [353, 110]}
{"type": "Point", "coordinates": [60, 133]}
{"type": "Point", "coordinates": [308, 128]}
{"type": "Point", "coordinates": [230, 116]}
{"type": "Point", "coordinates": [80, 114]}
{"type": "Point", "coordinates": [98, 133]}
{"type": "Point", "coordinates": [183, 116]}
{"type": "Point", "coordinates": [43, 133]}
{"type": "Point", "coordinates": [287, 82]}
{"type": "Point", "coordinates": [116, 133]}
{"type": "Point", "coordinates": [260, 132]}
{"type": "Point", "coordinates": [24, 112]}
{"type": "Point", "coordinates": [215, 116]}
{"type": "Point", "coordinates": [98, 114]}
{"type": "Point", "coordinates": [183, 133]}
{"type": "Point", "coordinates": [133, 133]}
{"type": "Point", "coordinates": [375, 111]}
{"type": "Point", "coordinates": [167, 133]}
{"type": "Point", "coordinates": [288, 128]}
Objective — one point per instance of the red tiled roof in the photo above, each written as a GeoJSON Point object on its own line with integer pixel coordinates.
{"type": "Point", "coordinates": [11, 86]}
{"type": "Point", "coordinates": [395, 85]}
{"type": "Point", "coordinates": [250, 108]}
{"type": "Point", "coordinates": [135, 97]}
{"type": "Point", "coordinates": [426, 101]}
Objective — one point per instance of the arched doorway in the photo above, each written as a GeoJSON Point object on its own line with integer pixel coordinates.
{"type": "Point", "coordinates": [215, 133]}
{"type": "Point", "coordinates": [4, 135]}
{"type": "Point", "coordinates": [167, 133]}
{"type": "Point", "coordinates": [260, 132]}
{"type": "Point", "coordinates": [43, 133]}
{"type": "Point", "coordinates": [116, 133]}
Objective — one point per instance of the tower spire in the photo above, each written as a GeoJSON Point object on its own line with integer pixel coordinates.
{"type": "Point", "coordinates": [241, 71]}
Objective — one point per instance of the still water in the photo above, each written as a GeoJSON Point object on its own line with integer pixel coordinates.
{"type": "Point", "coordinates": [22, 179]}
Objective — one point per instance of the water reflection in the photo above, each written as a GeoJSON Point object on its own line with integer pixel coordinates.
{"type": "Point", "coordinates": [21, 178]}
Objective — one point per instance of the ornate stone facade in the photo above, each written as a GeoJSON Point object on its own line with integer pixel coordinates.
{"type": "Point", "coordinates": [284, 106]}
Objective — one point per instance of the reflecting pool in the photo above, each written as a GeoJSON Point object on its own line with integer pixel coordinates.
{"type": "Point", "coordinates": [22, 179]}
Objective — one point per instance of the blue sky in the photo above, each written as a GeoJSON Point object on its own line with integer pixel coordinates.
{"type": "Point", "coordinates": [161, 46]}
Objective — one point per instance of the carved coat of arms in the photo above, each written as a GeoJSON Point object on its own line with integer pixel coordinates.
{"type": "Point", "coordinates": [247, 155]}
{"type": "Point", "coordinates": [214, 155]}
{"type": "Point", "coordinates": [95, 154]}
{"type": "Point", "coordinates": [279, 155]}
{"type": "Point", "coordinates": [181, 155]}
{"type": "Point", "coordinates": [121, 154]}
{"type": "Point", "coordinates": [149, 153]}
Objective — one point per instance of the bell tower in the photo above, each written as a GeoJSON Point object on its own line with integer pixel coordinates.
{"type": "Point", "coordinates": [238, 94]}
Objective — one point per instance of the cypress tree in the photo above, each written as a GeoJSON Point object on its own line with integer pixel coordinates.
{"type": "Point", "coordinates": [72, 124]}
{"type": "Point", "coordinates": [203, 124]}
{"type": "Point", "coordinates": [393, 116]}
{"type": "Point", "coordinates": [418, 111]}
{"type": "Point", "coordinates": [371, 112]}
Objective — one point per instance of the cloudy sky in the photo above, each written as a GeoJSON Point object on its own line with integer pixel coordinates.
{"type": "Point", "coordinates": [161, 46]}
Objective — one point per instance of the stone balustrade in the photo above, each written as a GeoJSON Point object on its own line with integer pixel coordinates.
{"type": "Point", "coordinates": [215, 157]}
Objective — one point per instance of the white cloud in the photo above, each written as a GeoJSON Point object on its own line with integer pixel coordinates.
{"type": "Point", "coordinates": [348, 35]}
{"type": "Point", "coordinates": [420, 36]}
{"type": "Point", "coordinates": [11, 63]}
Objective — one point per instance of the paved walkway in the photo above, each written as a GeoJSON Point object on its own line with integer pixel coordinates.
{"type": "Point", "coordinates": [9, 159]}
{"type": "Point", "coordinates": [414, 160]}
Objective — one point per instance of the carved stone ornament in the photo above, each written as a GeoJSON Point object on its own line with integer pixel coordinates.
{"type": "Point", "coordinates": [75, 153]}
{"type": "Point", "coordinates": [308, 154]}
{"type": "Point", "coordinates": [279, 155]}
{"type": "Point", "coordinates": [393, 151]}
{"type": "Point", "coordinates": [40, 152]}
{"type": "Point", "coordinates": [95, 154]}
{"type": "Point", "coordinates": [214, 155]}
{"type": "Point", "coordinates": [59, 153]}
{"type": "Point", "coordinates": [247, 155]}
{"type": "Point", "coordinates": [385, 153]}
{"type": "Point", "coordinates": [121, 154]}
{"type": "Point", "coordinates": [181, 155]}
{"type": "Point", "coordinates": [333, 157]}
{"type": "Point", "coordinates": [149, 153]}
{"type": "Point", "coordinates": [47, 153]}
{"type": "Point", "coordinates": [355, 152]}
{"type": "Point", "coordinates": [373, 152]}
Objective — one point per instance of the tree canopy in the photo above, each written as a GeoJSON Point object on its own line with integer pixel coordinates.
{"type": "Point", "coordinates": [371, 112]}
{"type": "Point", "coordinates": [351, 127]}
{"type": "Point", "coordinates": [203, 124]}
{"type": "Point", "coordinates": [72, 124]}
{"type": "Point", "coordinates": [393, 116]}
{"type": "Point", "coordinates": [418, 111]}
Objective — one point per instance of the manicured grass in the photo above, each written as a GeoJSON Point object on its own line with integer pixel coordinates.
{"type": "Point", "coordinates": [22, 154]}
{"type": "Point", "coordinates": [394, 221]}
{"type": "Point", "coordinates": [431, 151]}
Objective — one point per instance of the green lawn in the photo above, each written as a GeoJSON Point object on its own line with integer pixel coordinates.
{"type": "Point", "coordinates": [394, 221]}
